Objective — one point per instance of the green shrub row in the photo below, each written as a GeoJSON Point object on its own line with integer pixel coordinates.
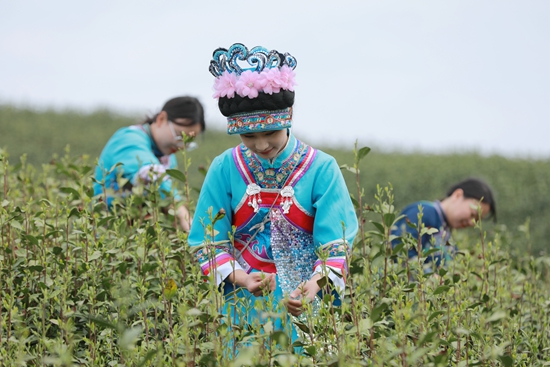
{"type": "Point", "coordinates": [82, 286]}
{"type": "Point", "coordinates": [522, 186]}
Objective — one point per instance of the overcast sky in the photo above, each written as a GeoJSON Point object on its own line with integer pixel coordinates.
{"type": "Point", "coordinates": [435, 76]}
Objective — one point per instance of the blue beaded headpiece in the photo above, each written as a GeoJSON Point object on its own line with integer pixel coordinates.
{"type": "Point", "coordinates": [242, 76]}
{"type": "Point", "coordinates": [258, 58]}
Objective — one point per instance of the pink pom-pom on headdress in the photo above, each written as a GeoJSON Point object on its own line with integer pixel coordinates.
{"type": "Point", "coordinates": [249, 84]}
{"type": "Point", "coordinates": [271, 80]}
{"type": "Point", "coordinates": [225, 85]}
{"type": "Point", "coordinates": [288, 78]}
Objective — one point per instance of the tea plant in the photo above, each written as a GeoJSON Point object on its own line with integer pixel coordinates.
{"type": "Point", "coordinates": [83, 285]}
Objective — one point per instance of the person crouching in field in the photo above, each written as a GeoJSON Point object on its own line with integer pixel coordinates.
{"type": "Point", "coordinates": [461, 208]}
{"type": "Point", "coordinates": [146, 151]}
{"type": "Point", "coordinates": [280, 202]}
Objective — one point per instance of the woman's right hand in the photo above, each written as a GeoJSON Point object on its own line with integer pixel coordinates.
{"type": "Point", "coordinates": [260, 283]}
{"type": "Point", "coordinates": [255, 283]}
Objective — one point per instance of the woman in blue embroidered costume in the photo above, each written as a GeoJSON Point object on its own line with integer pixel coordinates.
{"type": "Point", "coordinates": [147, 150]}
{"type": "Point", "coordinates": [460, 209]}
{"type": "Point", "coordinates": [286, 200]}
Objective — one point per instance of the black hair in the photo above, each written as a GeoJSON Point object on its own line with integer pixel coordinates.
{"type": "Point", "coordinates": [264, 101]}
{"type": "Point", "coordinates": [475, 188]}
{"type": "Point", "coordinates": [183, 107]}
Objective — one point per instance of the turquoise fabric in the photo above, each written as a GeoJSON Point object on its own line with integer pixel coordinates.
{"type": "Point", "coordinates": [134, 147]}
{"type": "Point", "coordinates": [321, 191]}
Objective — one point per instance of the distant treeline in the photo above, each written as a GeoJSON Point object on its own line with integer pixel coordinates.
{"type": "Point", "coordinates": [522, 186]}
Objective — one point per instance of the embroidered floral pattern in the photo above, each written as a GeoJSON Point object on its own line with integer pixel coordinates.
{"type": "Point", "coordinates": [273, 178]}
{"type": "Point", "coordinates": [247, 122]}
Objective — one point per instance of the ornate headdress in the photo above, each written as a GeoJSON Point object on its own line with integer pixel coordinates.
{"type": "Point", "coordinates": [259, 96]}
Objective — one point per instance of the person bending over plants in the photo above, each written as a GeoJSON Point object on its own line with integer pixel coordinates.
{"type": "Point", "coordinates": [467, 201]}
{"type": "Point", "coordinates": [145, 151]}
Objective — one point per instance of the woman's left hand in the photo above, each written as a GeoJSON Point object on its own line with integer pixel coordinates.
{"type": "Point", "coordinates": [305, 292]}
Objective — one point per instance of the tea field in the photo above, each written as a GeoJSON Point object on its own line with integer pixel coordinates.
{"type": "Point", "coordinates": [81, 285]}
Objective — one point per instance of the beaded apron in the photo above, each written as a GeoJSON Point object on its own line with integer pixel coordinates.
{"type": "Point", "coordinates": [274, 233]}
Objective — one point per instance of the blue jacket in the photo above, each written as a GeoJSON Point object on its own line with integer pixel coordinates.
{"type": "Point", "coordinates": [432, 217]}
{"type": "Point", "coordinates": [141, 160]}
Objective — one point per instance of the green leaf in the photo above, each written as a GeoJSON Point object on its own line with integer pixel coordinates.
{"type": "Point", "coordinates": [96, 255]}
{"type": "Point", "coordinates": [442, 289]}
{"type": "Point", "coordinates": [428, 337]}
{"type": "Point", "coordinates": [99, 321]}
{"type": "Point", "coordinates": [411, 224]}
{"type": "Point", "coordinates": [429, 231]}
{"type": "Point", "coordinates": [417, 354]}
{"type": "Point", "coordinates": [498, 315]}
{"type": "Point", "coordinates": [129, 337]}
{"type": "Point", "coordinates": [507, 360]}
{"type": "Point", "coordinates": [377, 312]}
{"type": "Point", "coordinates": [147, 357]}
{"type": "Point", "coordinates": [398, 248]}
{"type": "Point", "coordinates": [388, 219]}
{"type": "Point", "coordinates": [177, 174]}
{"type": "Point", "coordinates": [74, 213]}
{"type": "Point", "coordinates": [105, 220]}
{"type": "Point", "coordinates": [476, 274]}
{"type": "Point", "coordinates": [356, 267]}
{"type": "Point", "coordinates": [57, 250]}
{"type": "Point", "coordinates": [113, 168]}
{"type": "Point", "coordinates": [362, 153]}
{"type": "Point", "coordinates": [379, 226]}
{"type": "Point", "coordinates": [348, 168]}
{"type": "Point", "coordinates": [85, 169]}
{"type": "Point", "coordinates": [322, 281]}
{"type": "Point", "coordinates": [474, 305]}
{"type": "Point", "coordinates": [31, 239]}
{"type": "Point", "coordinates": [70, 191]}
{"type": "Point", "coordinates": [202, 170]}
{"type": "Point", "coordinates": [302, 326]}
{"type": "Point", "coordinates": [435, 314]}
{"type": "Point", "coordinates": [365, 325]}
{"type": "Point", "coordinates": [89, 191]}
{"type": "Point", "coordinates": [311, 350]}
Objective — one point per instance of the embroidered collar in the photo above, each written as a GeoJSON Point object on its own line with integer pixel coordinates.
{"type": "Point", "coordinates": [273, 175]}
{"type": "Point", "coordinates": [281, 157]}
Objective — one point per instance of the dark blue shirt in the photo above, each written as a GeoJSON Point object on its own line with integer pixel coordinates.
{"type": "Point", "coordinates": [432, 217]}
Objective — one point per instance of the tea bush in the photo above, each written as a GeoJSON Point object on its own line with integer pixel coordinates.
{"type": "Point", "coordinates": [81, 285]}
{"type": "Point", "coordinates": [522, 186]}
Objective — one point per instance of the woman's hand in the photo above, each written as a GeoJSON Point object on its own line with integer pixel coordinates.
{"type": "Point", "coordinates": [260, 283]}
{"type": "Point", "coordinates": [184, 218]}
{"type": "Point", "coordinates": [256, 283]}
{"type": "Point", "coordinates": [305, 292]}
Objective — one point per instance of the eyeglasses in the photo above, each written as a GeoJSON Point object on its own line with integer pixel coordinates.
{"type": "Point", "coordinates": [179, 139]}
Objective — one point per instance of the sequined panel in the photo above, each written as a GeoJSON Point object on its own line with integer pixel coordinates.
{"type": "Point", "coordinates": [293, 252]}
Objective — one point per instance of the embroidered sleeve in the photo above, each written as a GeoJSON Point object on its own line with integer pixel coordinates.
{"type": "Point", "coordinates": [218, 262]}
{"type": "Point", "coordinates": [332, 262]}
{"type": "Point", "coordinates": [335, 225]}
{"type": "Point", "coordinates": [215, 195]}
